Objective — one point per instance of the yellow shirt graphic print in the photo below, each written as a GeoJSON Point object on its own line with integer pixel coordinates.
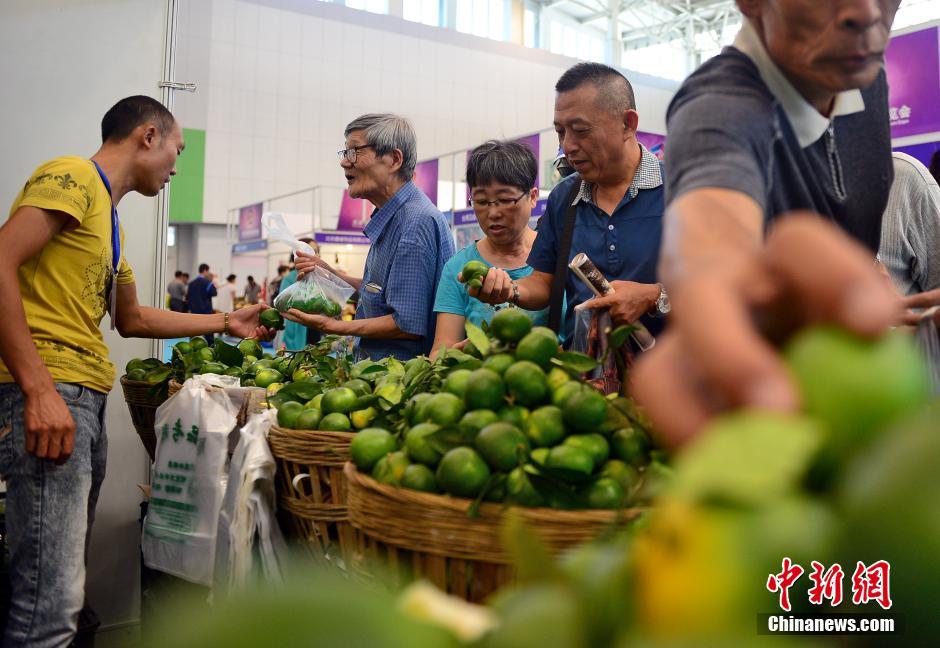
{"type": "Point", "coordinates": [65, 287]}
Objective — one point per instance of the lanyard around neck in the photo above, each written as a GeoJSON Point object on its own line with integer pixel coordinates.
{"type": "Point", "coordinates": [115, 244]}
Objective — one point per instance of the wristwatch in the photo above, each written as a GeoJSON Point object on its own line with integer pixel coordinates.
{"type": "Point", "coordinates": [662, 303]}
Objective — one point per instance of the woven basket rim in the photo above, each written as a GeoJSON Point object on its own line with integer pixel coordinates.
{"type": "Point", "coordinates": [409, 497]}
{"type": "Point", "coordinates": [313, 434]}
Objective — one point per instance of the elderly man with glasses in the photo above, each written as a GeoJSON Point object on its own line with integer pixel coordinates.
{"type": "Point", "coordinates": [410, 239]}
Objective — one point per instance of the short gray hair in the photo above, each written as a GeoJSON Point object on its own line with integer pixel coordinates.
{"type": "Point", "coordinates": [386, 132]}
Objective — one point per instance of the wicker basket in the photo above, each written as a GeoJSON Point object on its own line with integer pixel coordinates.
{"type": "Point", "coordinates": [311, 488]}
{"type": "Point", "coordinates": [422, 535]}
{"type": "Point", "coordinates": [142, 403]}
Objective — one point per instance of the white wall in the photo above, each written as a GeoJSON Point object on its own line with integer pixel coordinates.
{"type": "Point", "coordinates": [285, 76]}
{"type": "Point", "coordinates": [63, 63]}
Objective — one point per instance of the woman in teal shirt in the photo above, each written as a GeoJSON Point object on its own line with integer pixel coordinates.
{"type": "Point", "coordinates": [501, 176]}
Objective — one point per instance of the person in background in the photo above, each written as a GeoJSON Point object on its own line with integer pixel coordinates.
{"type": "Point", "coordinates": [501, 177]}
{"type": "Point", "coordinates": [297, 336]}
{"type": "Point", "coordinates": [618, 199]}
{"type": "Point", "coordinates": [274, 287]}
{"type": "Point", "coordinates": [935, 165]}
{"type": "Point", "coordinates": [225, 300]}
{"type": "Point", "coordinates": [411, 242]}
{"type": "Point", "coordinates": [62, 269]}
{"type": "Point", "coordinates": [252, 291]}
{"type": "Point", "coordinates": [199, 294]}
{"type": "Point", "coordinates": [177, 292]}
{"type": "Point", "coordinates": [185, 280]}
{"type": "Point", "coordinates": [910, 228]}
{"type": "Point", "coordinates": [778, 174]}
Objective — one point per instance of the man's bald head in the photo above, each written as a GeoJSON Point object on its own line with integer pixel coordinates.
{"type": "Point", "coordinates": [614, 92]}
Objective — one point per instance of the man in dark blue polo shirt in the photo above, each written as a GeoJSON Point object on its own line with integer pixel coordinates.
{"type": "Point", "coordinates": [410, 239]}
{"type": "Point", "coordinates": [618, 191]}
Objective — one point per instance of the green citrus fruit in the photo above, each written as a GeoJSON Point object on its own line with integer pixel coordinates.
{"type": "Point", "coordinates": [206, 354]}
{"type": "Point", "coordinates": [370, 445]}
{"type": "Point", "coordinates": [391, 468]}
{"type": "Point", "coordinates": [234, 371]}
{"type": "Point", "coordinates": [630, 445]}
{"type": "Point", "coordinates": [420, 478]}
{"type": "Point", "coordinates": [484, 390]}
{"type": "Point", "coordinates": [605, 493]}
{"type": "Point", "coordinates": [538, 348]}
{"type": "Point", "coordinates": [623, 473]}
{"type": "Point", "coordinates": [456, 382]}
{"type": "Point", "coordinates": [198, 343]}
{"type": "Point", "coordinates": [419, 447]}
{"type": "Point", "coordinates": [566, 390]}
{"type": "Point", "coordinates": [444, 408]}
{"type": "Point", "coordinates": [570, 458]}
{"type": "Point", "coordinates": [502, 445]}
{"type": "Point", "coordinates": [519, 489]}
{"type": "Point", "coordinates": [287, 414]}
{"type": "Point", "coordinates": [556, 378]}
{"type": "Point", "coordinates": [474, 421]}
{"type": "Point", "coordinates": [462, 472]}
{"type": "Point", "coordinates": [315, 402]}
{"type": "Point", "coordinates": [267, 377]}
{"type": "Point", "coordinates": [594, 444]}
{"type": "Point", "coordinates": [547, 332]}
{"type": "Point", "coordinates": [185, 348]}
{"type": "Point", "coordinates": [514, 414]}
{"type": "Point", "coordinates": [585, 410]}
{"type": "Point", "coordinates": [264, 363]}
{"type": "Point", "coordinates": [138, 373]}
{"type": "Point", "coordinates": [332, 309]}
{"type": "Point", "coordinates": [340, 399]}
{"type": "Point", "coordinates": [136, 363]}
{"type": "Point", "coordinates": [526, 383]}
{"type": "Point", "coordinates": [539, 455]}
{"type": "Point", "coordinates": [271, 319]}
{"type": "Point", "coordinates": [359, 386]}
{"type": "Point", "coordinates": [416, 404]}
{"type": "Point", "coordinates": [363, 418]}
{"type": "Point", "coordinates": [857, 386]}
{"type": "Point", "coordinates": [335, 422]}
{"type": "Point", "coordinates": [250, 348]}
{"type": "Point", "coordinates": [213, 368]}
{"type": "Point", "coordinates": [473, 269]}
{"type": "Point", "coordinates": [309, 419]}
{"type": "Point", "coordinates": [273, 388]}
{"type": "Point", "coordinates": [545, 426]}
{"type": "Point", "coordinates": [499, 362]}
{"type": "Point", "coordinates": [510, 325]}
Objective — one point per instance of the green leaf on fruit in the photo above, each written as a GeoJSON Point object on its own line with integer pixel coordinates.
{"type": "Point", "coordinates": [476, 335]}
{"type": "Point", "coordinates": [227, 354]}
{"type": "Point", "coordinates": [575, 361]}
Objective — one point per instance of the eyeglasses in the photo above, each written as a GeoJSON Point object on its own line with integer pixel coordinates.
{"type": "Point", "coordinates": [477, 203]}
{"type": "Point", "coordinates": [351, 154]}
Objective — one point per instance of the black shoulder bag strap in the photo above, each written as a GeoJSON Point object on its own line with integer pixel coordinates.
{"type": "Point", "coordinates": [561, 262]}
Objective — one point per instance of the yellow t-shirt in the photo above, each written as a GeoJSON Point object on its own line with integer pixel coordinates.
{"type": "Point", "coordinates": [65, 287]}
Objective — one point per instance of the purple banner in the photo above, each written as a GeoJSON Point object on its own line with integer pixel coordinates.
{"type": "Point", "coordinates": [922, 152]}
{"type": "Point", "coordinates": [656, 144]}
{"type": "Point", "coordinates": [340, 238]}
{"type": "Point", "coordinates": [426, 178]}
{"type": "Point", "coordinates": [249, 223]}
{"type": "Point", "coordinates": [353, 213]}
{"type": "Point", "coordinates": [912, 62]}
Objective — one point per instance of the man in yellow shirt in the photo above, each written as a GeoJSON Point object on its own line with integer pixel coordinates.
{"type": "Point", "coordinates": [60, 271]}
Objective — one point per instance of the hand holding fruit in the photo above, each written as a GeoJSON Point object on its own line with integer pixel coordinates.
{"type": "Point", "coordinates": [322, 323]}
{"type": "Point", "coordinates": [715, 358]}
{"type": "Point", "coordinates": [305, 263]}
{"type": "Point", "coordinates": [246, 323]}
{"type": "Point", "coordinates": [628, 301]}
{"type": "Point", "coordinates": [490, 286]}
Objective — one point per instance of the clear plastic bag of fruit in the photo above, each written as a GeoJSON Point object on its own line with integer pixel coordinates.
{"type": "Point", "coordinates": [319, 292]}
{"type": "Point", "coordinates": [592, 328]}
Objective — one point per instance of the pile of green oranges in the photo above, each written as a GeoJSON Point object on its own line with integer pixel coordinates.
{"type": "Point", "coordinates": [520, 428]}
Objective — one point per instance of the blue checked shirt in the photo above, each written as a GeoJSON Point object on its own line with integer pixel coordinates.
{"type": "Point", "coordinates": [411, 242]}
